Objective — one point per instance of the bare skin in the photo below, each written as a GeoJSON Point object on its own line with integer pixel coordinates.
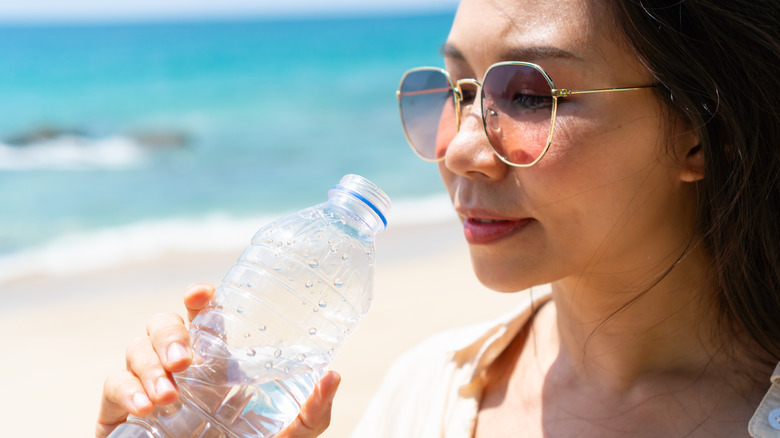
{"type": "Point", "coordinates": [147, 380]}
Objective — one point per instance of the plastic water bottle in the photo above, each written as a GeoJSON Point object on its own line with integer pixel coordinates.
{"type": "Point", "coordinates": [277, 320]}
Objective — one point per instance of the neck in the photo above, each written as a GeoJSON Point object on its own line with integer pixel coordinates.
{"type": "Point", "coordinates": [618, 334]}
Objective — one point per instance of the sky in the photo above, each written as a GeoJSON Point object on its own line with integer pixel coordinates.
{"type": "Point", "coordinates": [129, 10]}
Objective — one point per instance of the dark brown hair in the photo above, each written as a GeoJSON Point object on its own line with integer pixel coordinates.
{"type": "Point", "coordinates": [718, 64]}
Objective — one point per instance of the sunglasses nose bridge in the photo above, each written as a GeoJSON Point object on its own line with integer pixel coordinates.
{"type": "Point", "coordinates": [461, 96]}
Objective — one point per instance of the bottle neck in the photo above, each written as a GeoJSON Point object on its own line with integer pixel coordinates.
{"type": "Point", "coordinates": [368, 218]}
{"type": "Point", "coordinates": [363, 200]}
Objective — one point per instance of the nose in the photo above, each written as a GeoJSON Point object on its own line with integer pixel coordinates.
{"type": "Point", "coordinates": [469, 152]}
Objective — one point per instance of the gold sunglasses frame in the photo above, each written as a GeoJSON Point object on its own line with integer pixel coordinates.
{"type": "Point", "coordinates": [455, 86]}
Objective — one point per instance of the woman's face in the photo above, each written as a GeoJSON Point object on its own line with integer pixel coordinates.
{"type": "Point", "coordinates": [607, 203]}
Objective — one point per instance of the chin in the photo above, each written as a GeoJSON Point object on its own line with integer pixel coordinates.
{"type": "Point", "coordinates": [492, 276]}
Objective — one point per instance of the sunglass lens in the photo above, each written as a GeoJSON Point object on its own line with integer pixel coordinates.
{"type": "Point", "coordinates": [427, 111]}
{"type": "Point", "coordinates": [517, 107]}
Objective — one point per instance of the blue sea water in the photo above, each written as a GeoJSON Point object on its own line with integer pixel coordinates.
{"type": "Point", "coordinates": [106, 126]}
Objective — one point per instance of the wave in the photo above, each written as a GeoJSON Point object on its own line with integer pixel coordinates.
{"type": "Point", "coordinates": [147, 240]}
{"type": "Point", "coordinates": [74, 152]}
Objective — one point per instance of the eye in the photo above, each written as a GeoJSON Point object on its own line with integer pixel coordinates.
{"type": "Point", "coordinates": [529, 102]}
{"type": "Point", "coordinates": [518, 105]}
{"type": "Point", "coordinates": [517, 90]}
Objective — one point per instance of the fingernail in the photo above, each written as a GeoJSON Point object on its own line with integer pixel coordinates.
{"type": "Point", "coordinates": [176, 353]}
{"type": "Point", "coordinates": [163, 385]}
{"type": "Point", "coordinates": [140, 401]}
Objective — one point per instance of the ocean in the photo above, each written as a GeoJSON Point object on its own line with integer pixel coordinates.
{"type": "Point", "coordinates": [124, 140]}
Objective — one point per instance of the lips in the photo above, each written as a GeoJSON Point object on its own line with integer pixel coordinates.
{"type": "Point", "coordinates": [481, 231]}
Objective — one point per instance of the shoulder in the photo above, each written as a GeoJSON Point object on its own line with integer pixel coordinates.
{"type": "Point", "coordinates": [766, 419]}
{"type": "Point", "coordinates": [423, 384]}
{"type": "Point", "coordinates": [412, 398]}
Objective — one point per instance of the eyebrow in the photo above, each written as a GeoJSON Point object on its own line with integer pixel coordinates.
{"type": "Point", "coordinates": [515, 54]}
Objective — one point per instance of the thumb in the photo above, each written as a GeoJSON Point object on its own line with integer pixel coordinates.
{"type": "Point", "coordinates": [314, 417]}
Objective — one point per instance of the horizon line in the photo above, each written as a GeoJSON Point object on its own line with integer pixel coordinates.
{"type": "Point", "coordinates": [167, 17]}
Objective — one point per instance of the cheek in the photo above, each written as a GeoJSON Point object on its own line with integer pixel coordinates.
{"type": "Point", "coordinates": [449, 179]}
{"type": "Point", "coordinates": [446, 176]}
{"type": "Point", "coordinates": [599, 184]}
{"type": "Point", "coordinates": [589, 153]}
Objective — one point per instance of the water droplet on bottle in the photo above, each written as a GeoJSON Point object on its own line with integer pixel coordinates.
{"type": "Point", "coordinates": [247, 335]}
{"type": "Point", "coordinates": [301, 357]}
{"type": "Point", "coordinates": [314, 263]}
{"type": "Point", "coordinates": [251, 352]}
{"type": "Point", "coordinates": [338, 282]}
{"type": "Point", "coordinates": [239, 309]}
{"type": "Point", "coordinates": [277, 353]}
{"type": "Point", "coordinates": [323, 303]}
{"type": "Point", "coordinates": [333, 249]}
{"type": "Point", "coordinates": [277, 267]}
{"type": "Point", "coordinates": [309, 284]}
{"type": "Point", "coordinates": [268, 365]}
{"type": "Point", "coordinates": [261, 327]}
{"type": "Point", "coordinates": [331, 351]}
{"type": "Point", "coordinates": [346, 331]}
{"type": "Point", "coordinates": [291, 242]}
{"type": "Point", "coordinates": [344, 256]}
{"type": "Point", "coordinates": [319, 235]}
{"type": "Point", "coordinates": [268, 241]}
{"type": "Point", "coordinates": [287, 370]}
{"type": "Point", "coordinates": [312, 331]}
{"type": "Point", "coordinates": [279, 243]}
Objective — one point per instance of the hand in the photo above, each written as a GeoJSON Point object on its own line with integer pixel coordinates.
{"type": "Point", "coordinates": [152, 360]}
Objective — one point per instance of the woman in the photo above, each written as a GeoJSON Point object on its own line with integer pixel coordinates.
{"type": "Point", "coordinates": [640, 206]}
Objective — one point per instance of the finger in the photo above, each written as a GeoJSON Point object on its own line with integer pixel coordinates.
{"type": "Point", "coordinates": [123, 394]}
{"type": "Point", "coordinates": [196, 297]}
{"type": "Point", "coordinates": [170, 340]}
{"type": "Point", "coordinates": [314, 417]}
{"type": "Point", "coordinates": [144, 363]}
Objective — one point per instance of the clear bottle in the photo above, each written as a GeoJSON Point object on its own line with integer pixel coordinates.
{"type": "Point", "coordinates": [276, 321]}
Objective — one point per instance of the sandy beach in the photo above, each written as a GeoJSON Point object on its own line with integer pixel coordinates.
{"type": "Point", "coordinates": [62, 335]}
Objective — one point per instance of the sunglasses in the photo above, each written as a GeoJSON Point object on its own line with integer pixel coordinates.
{"type": "Point", "coordinates": [517, 102]}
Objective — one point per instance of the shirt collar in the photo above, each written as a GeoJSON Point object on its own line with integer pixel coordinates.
{"type": "Point", "coordinates": [480, 352]}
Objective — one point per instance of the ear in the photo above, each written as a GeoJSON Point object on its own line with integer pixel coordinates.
{"type": "Point", "coordinates": [692, 165]}
{"type": "Point", "coordinates": [689, 152]}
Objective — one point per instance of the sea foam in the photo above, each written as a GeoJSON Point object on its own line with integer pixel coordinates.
{"type": "Point", "coordinates": [138, 242]}
{"type": "Point", "coordinates": [73, 152]}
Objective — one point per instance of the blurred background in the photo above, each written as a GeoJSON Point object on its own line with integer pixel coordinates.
{"type": "Point", "coordinates": [159, 122]}
{"type": "Point", "coordinates": [142, 142]}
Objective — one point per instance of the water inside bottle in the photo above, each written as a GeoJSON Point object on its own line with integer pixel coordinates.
{"type": "Point", "coordinates": [256, 393]}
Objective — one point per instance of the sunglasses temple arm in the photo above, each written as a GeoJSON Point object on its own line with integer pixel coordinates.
{"type": "Point", "coordinates": [562, 92]}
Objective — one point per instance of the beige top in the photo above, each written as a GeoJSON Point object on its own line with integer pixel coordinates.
{"type": "Point", "coordinates": [434, 390]}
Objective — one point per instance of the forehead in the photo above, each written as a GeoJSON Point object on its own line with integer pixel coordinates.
{"type": "Point", "coordinates": [487, 31]}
